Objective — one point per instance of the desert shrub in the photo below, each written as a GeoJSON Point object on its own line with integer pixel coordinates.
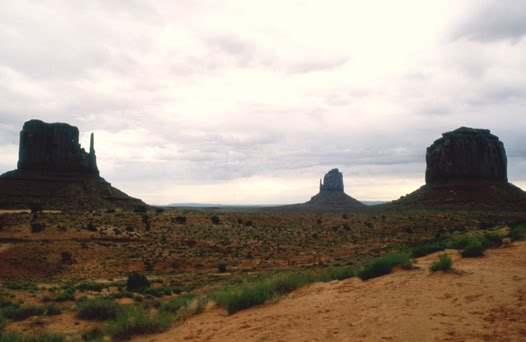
{"type": "Point", "coordinates": [180, 219]}
{"type": "Point", "coordinates": [98, 309]}
{"type": "Point", "coordinates": [37, 227]}
{"type": "Point", "coordinates": [137, 281]}
{"type": "Point", "coordinates": [13, 285]}
{"type": "Point", "coordinates": [135, 321]}
{"type": "Point", "coordinates": [459, 243]}
{"type": "Point", "coordinates": [95, 287]}
{"type": "Point", "coordinates": [158, 291]}
{"type": "Point", "coordinates": [175, 304]}
{"type": "Point", "coordinates": [91, 227]}
{"type": "Point", "coordinates": [221, 268]}
{"type": "Point", "coordinates": [93, 334]}
{"type": "Point", "coordinates": [234, 299]}
{"type": "Point", "coordinates": [2, 324]}
{"type": "Point", "coordinates": [474, 248]}
{"type": "Point", "coordinates": [52, 310]}
{"type": "Point", "coordinates": [385, 264]}
{"type": "Point", "coordinates": [337, 273]}
{"type": "Point", "coordinates": [493, 239]}
{"type": "Point", "coordinates": [215, 219]}
{"type": "Point", "coordinates": [517, 232]}
{"type": "Point", "coordinates": [66, 257]}
{"type": "Point", "coordinates": [67, 295]}
{"type": "Point", "coordinates": [159, 210]}
{"type": "Point", "coordinates": [45, 337]}
{"type": "Point", "coordinates": [428, 248]}
{"type": "Point", "coordinates": [20, 313]}
{"type": "Point", "coordinates": [444, 263]}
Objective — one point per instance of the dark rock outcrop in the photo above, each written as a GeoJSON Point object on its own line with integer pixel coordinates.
{"type": "Point", "coordinates": [466, 154]}
{"type": "Point", "coordinates": [466, 168]}
{"type": "Point", "coordinates": [55, 172]}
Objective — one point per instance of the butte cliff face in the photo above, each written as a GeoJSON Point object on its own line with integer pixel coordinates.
{"type": "Point", "coordinates": [466, 168]}
{"type": "Point", "coordinates": [54, 147]}
{"type": "Point", "coordinates": [333, 181]}
{"type": "Point", "coordinates": [466, 154]}
{"type": "Point", "coordinates": [55, 172]}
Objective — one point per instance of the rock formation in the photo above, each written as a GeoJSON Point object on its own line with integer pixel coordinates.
{"type": "Point", "coordinates": [55, 172]}
{"type": "Point", "coordinates": [466, 168]}
{"type": "Point", "coordinates": [466, 154]}
{"type": "Point", "coordinates": [330, 198]}
{"type": "Point", "coordinates": [333, 181]}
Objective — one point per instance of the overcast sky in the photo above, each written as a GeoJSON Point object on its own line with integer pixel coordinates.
{"type": "Point", "coordinates": [247, 102]}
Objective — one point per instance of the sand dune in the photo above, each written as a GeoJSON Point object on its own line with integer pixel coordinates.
{"type": "Point", "coordinates": [485, 300]}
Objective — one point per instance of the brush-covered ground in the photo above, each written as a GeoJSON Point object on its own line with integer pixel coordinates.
{"type": "Point", "coordinates": [65, 274]}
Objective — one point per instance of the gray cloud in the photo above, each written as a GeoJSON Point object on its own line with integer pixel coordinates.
{"type": "Point", "coordinates": [494, 20]}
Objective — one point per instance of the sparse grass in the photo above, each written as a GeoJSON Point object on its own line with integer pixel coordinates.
{"type": "Point", "coordinates": [337, 273]}
{"type": "Point", "coordinates": [175, 304]}
{"type": "Point", "coordinates": [237, 298]}
{"type": "Point", "coordinates": [100, 309]}
{"type": "Point", "coordinates": [385, 264]}
{"type": "Point", "coordinates": [20, 313]}
{"type": "Point", "coordinates": [428, 248]}
{"type": "Point", "coordinates": [444, 263]}
{"type": "Point", "coordinates": [66, 295]}
{"type": "Point", "coordinates": [459, 243]}
{"type": "Point", "coordinates": [46, 337]}
{"type": "Point", "coordinates": [136, 321]}
{"type": "Point", "coordinates": [85, 286]}
{"type": "Point", "coordinates": [492, 239]}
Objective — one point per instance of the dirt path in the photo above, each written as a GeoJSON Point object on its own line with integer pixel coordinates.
{"type": "Point", "coordinates": [485, 302]}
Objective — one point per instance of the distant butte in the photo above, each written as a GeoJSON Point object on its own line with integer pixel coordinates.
{"type": "Point", "coordinates": [330, 198]}
{"type": "Point", "coordinates": [466, 168]}
{"type": "Point", "coordinates": [55, 173]}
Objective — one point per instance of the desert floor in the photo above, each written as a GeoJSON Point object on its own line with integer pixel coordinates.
{"type": "Point", "coordinates": [483, 300]}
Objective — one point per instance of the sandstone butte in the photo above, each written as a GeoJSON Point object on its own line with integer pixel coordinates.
{"type": "Point", "coordinates": [466, 168]}
{"type": "Point", "coordinates": [55, 173]}
{"type": "Point", "coordinates": [331, 197]}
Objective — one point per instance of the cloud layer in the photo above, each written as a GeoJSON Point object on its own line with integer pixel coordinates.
{"type": "Point", "coordinates": [252, 102]}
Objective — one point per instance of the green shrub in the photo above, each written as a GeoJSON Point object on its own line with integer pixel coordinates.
{"type": "Point", "coordinates": [444, 263]}
{"type": "Point", "coordinates": [135, 321]}
{"type": "Point", "coordinates": [337, 273]}
{"type": "Point", "coordinates": [100, 309]}
{"type": "Point", "coordinates": [517, 232]}
{"type": "Point", "coordinates": [20, 313]}
{"type": "Point", "coordinates": [52, 310]}
{"type": "Point", "coordinates": [459, 243]}
{"type": "Point", "coordinates": [137, 281]}
{"type": "Point", "coordinates": [2, 324]}
{"type": "Point", "coordinates": [66, 295]}
{"type": "Point", "coordinates": [428, 248]}
{"type": "Point", "coordinates": [474, 248]}
{"type": "Point", "coordinates": [234, 299]}
{"type": "Point", "coordinates": [493, 239]}
{"type": "Point", "coordinates": [93, 334]}
{"type": "Point", "coordinates": [176, 304]}
{"type": "Point", "coordinates": [46, 337]}
{"type": "Point", "coordinates": [385, 264]}
{"type": "Point", "coordinates": [95, 287]}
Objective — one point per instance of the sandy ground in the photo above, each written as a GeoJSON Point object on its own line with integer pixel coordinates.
{"type": "Point", "coordinates": [485, 300]}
